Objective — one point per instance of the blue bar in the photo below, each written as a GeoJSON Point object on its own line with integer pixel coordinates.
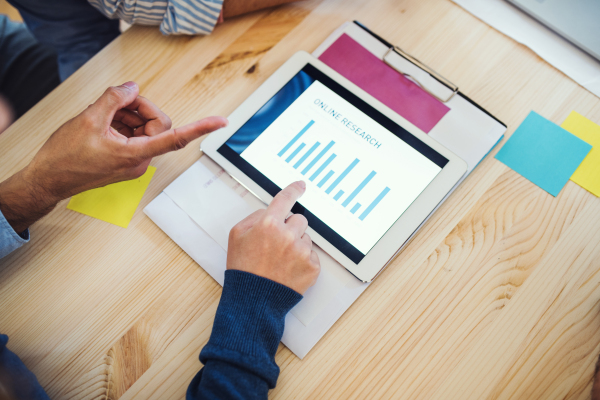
{"type": "Point", "coordinates": [305, 156]}
{"type": "Point", "coordinates": [322, 167]}
{"type": "Point", "coordinates": [325, 179]}
{"type": "Point", "coordinates": [374, 203]}
{"type": "Point", "coordinates": [355, 208]}
{"type": "Point", "coordinates": [358, 189]}
{"type": "Point", "coordinates": [317, 158]}
{"type": "Point", "coordinates": [295, 139]}
{"type": "Point", "coordinates": [338, 195]}
{"type": "Point", "coordinates": [342, 176]}
{"type": "Point", "coordinates": [287, 160]}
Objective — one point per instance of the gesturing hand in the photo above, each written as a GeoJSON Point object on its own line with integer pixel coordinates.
{"type": "Point", "coordinates": [113, 140]}
{"type": "Point", "coordinates": [268, 245]}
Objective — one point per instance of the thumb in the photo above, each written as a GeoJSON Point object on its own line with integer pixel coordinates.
{"type": "Point", "coordinates": [175, 139]}
{"type": "Point", "coordinates": [114, 99]}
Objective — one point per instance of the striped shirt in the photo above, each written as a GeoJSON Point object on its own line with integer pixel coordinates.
{"type": "Point", "coordinates": [175, 17]}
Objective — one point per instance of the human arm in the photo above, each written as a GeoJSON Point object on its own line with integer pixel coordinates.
{"type": "Point", "coordinates": [75, 29]}
{"type": "Point", "coordinates": [233, 8]}
{"type": "Point", "coordinates": [113, 140]}
{"type": "Point", "coordinates": [270, 263]}
{"type": "Point", "coordinates": [16, 381]}
{"type": "Point", "coordinates": [180, 17]}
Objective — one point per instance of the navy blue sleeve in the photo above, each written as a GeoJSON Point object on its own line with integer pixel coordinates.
{"type": "Point", "coordinates": [239, 358]}
{"type": "Point", "coordinates": [16, 381]}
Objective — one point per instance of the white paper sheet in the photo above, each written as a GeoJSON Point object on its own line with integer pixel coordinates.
{"type": "Point", "coordinates": [557, 51]}
{"type": "Point", "coordinates": [188, 235]}
{"type": "Point", "coordinates": [200, 194]}
{"type": "Point", "coordinates": [215, 201]}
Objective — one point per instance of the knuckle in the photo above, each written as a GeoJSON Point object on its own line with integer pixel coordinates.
{"type": "Point", "coordinates": [301, 219]}
{"type": "Point", "coordinates": [304, 253]}
{"type": "Point", "coordinates": [269, 221]}
{"type": "Point", "coordinates": [89, 120]}
{"type": "Point", "coordinates": [235, 232]}
{"type": "Point", "coordinates": [233, 235]}
{"type": "Point", "coordinates": [113, 94]}
{"type": "Point", "coordinates": [166, 122]}
{"type": "Point", "coordinates": [177, 141]}
{"type": "Point", "coordinates": [285, 195]}
{"type": "Point", "coordinates": [316, 265]}
{"type": "Point", "coordinates": [289, 237]}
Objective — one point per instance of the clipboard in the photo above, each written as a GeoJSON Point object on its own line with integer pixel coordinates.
{"type": "Point", "coordinates": [422, 96]}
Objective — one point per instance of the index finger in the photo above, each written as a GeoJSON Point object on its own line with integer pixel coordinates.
{"type": "Point", "coordinates": [283, 202]}
{"type": "Point", "coordinates": [151, 146]}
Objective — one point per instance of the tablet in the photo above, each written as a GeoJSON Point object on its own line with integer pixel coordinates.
{"type": "Point", "coordinates": [372, 177]}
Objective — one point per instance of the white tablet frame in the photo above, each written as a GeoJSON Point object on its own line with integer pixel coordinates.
{"type": "Point", "coordinates": [389, 245]}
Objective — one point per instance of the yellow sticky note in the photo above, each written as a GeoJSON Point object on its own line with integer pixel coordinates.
{"type": "Point", "coordinates": [588, 174]}
{"type": "Point", "coordinates": [114, 203]}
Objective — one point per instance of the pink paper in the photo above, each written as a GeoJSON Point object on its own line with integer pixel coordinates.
{"type": "Point", "coordinates": [383, 82]}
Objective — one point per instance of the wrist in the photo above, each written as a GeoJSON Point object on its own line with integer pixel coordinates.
{"type": "Point", "coordinates": [252, 311]}
{"type": "Point", "coordinates": [23, 200]}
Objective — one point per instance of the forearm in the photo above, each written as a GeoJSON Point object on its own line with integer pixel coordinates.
{"type": "Point", "coordinates": [231, 8]}
{"type": "Point", "coordinates": [16, 381]}
{"type": "Point", "coordinates": [239, 358]}
{"type": "Point", "coordinates": [22, 201]}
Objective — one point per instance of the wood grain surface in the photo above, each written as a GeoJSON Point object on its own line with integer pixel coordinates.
{"type": "Point", "coordinates": [496, 298]}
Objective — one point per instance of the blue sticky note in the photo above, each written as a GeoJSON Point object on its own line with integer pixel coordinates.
{"type": "Point", "coordinates": [544, 153]}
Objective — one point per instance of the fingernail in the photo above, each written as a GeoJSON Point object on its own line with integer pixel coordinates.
{"type": "Point", "coordinates": [302, 185]}
{"type": "Point", "coordinates": [130, 85]}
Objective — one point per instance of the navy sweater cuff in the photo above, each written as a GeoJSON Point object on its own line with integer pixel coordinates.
{"type": "Point", "coordinates": [249, 323]}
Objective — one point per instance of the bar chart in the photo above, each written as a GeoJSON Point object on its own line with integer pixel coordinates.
{"type": "Point", "coordinates": [298, 154]}
{"type": "Point", "coordinates": [355, 189]}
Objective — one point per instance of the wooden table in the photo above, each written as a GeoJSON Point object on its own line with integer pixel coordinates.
{"type": "Point", "coordinates": [497, 297]}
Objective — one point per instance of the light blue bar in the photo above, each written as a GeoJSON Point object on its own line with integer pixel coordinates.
{"type": "Point", "coordinates": [306, 155]}
{"type": "Point", "coordinates": [355, 208]}
{"type": "Point", "coordinates": [317, 158]}
{"type": "Point", "coordinates": [342, 176]}
{"type": "Point", "coordinates": [374, 203]}
{"type": "Point", "coordinates": [325, 179]}
{"type": "Point", "coordinates": [322, 167]}
{"type": "Point", "coordinates": [295, 139]}
{"type": "Point", "coordinates": [338, 195]}
{"type": "Point", "coordinates": [358, 189]}
{"type": "Point", "coordinates": [287, 160]}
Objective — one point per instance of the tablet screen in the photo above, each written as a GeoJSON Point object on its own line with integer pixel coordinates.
{"type": "Point", "coordinates": [361, 169]}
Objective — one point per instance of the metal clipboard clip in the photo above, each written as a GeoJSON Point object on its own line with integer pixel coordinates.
{"type": "Point", "coordinates": [419, 64]}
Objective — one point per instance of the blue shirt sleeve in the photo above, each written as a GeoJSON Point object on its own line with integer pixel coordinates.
{"type": "Point", "coordinates": [239, 358]}
{"type": "Point", "coordinates": [9, 239]}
